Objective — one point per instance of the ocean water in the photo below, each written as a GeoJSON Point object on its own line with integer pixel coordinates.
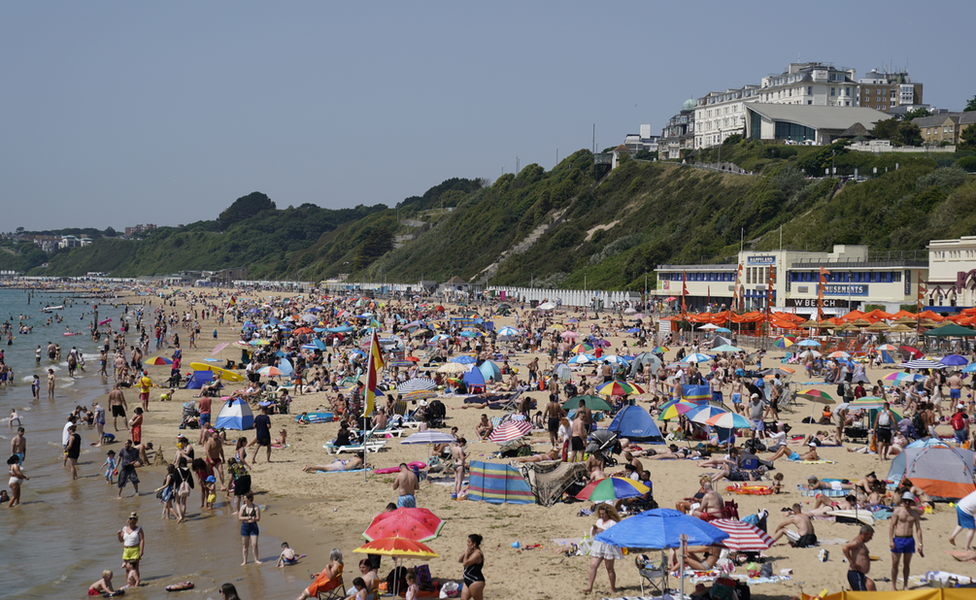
{"type": "Point", "coordinates": [58, 541]}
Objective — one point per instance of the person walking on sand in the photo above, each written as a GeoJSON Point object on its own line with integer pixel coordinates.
{"type": "Point", "coordinates": [601, 551]}
{"type": "Point", "coordinates": [407, 485]}
{"type": "Point", "coordinates": [965, 509]}
{"type": "Point", "coordinates": [133, 542]}
{"type": "Point", "coordinates": [859, 561]}
{"type": "Point", "coordinates": [144, 384]}
{"type": "Point", "coordinates": [214, 453]}
{"type": "Point", "coordinates": [249, 515]}
{"type": "Point", "coordinates": [905, 521]}
{"type": "Point", "coordinates": [262, 434]}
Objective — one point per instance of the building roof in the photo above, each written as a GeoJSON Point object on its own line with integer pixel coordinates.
{"type": "Point", "coordinates": [967, 118]}
{"type": "Point", "coordinates": [856, 130]}
{"type": "Point", "coordinates": [936, 120]}
{"type": "Point", "coordinates": [819, 117]}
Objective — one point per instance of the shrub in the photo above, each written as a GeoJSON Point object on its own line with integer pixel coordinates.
{"type": "Point", "coordinates": [967, 163]}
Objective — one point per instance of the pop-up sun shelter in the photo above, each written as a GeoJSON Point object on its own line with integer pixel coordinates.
{"type": "Point", "coordinates": [635, 424]}
{"type": "Point", "coordinates": [944, 473]}
{"type": "Point", "coordinates": [236, 414]}
{"type": "Point", "coordinates": [498, 483]}
{"type": "Point", "coordinates": [198, 379]}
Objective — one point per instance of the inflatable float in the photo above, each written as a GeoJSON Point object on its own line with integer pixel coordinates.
{"type": "Point", "coordinates": [315, 417]}
{"type": "Point", "coordinates": [179, 587]}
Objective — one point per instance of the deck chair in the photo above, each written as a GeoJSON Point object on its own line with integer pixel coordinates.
{"type": "Point", "coordinates": [336, 590]}
{"type": "Point", "coordinates": [366, 446]}
{"type": "Point", "coordinates": [400, 408]}
{"type": "Point", "coordinates": [731, 510]}
{"type": "Point", "coordinates": [654, 576]}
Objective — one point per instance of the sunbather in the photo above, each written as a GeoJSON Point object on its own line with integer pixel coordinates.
{"type": "Point", "coordinates": [813, 483]}
{"type": "Point", "coordinates": [796, 456]}
{"type": "Point", "coordinates": [351, 464]}
{"type": "Point", "coordinates": [551, 455]}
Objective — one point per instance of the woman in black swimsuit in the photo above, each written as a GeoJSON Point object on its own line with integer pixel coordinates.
{"type": "Point", "coordinates": [473, 560]}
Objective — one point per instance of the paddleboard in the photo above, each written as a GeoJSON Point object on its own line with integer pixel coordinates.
{"type": "Point", "coordinates": [71, 334]}
{"type": "Point", "coordinates": [103, 322]}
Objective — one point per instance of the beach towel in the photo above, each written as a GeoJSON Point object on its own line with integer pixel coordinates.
{"type": "Point", "coordinates": [827, 493]}
{"type": "Point", "coordinates": [549, 480]}
{"type": "Point", "coordinates": [353, 471]}
{"type": "Point", "coordinates": [814, 462]}
{"type": "Point", "coordinates": [750, 490]}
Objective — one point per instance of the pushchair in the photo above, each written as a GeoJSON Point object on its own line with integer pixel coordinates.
{"type": "Point", "coordinates": [191, 416]}
{"type": "Point", "coordinates": [435, 414]}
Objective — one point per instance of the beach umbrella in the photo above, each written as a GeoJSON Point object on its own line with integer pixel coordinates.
{"type": "Point", "coordinates": [157, 361]}
{"type": "Point", "coordinates": [726, 348]}
{"type": "Point", "coordinates": [815, 395]}
{"type": "Point", "coordinates": [810, 353]}
{"type": "Point", "coordinates": [472, 334]}
{"type": "Point", "coordinates": [867, 403]}
{"type": "Point", "coordinates": [661, 528]}
{"type": "Point", "coordinates": [697, 357]}
{"type": "Point", "coordinates": [638, 316]}
{"type": "Point", "coordinates": [508, 332]}
{"type": "Point", "coordinates": [729, 420]}
{"type": "Point", "coordinates": [702, 413]}
{"type": "Point", "coordinates": [582, 348]}
{"type": "Point", "coordinates": [219, 347]}
{"type": "Point", "coordinates": [464, 360]}
{"type": "Point", "coordinates": [509, 431]}
{"type": "Point", "coordinates": [417, 524]}
{"type": "Point", "coordinates": [581, 359]}
{"type": "Point", "coordinates": [809, 343]}
{"type": "Point", "coordinates": [612, 488]}
{"type": "Point", "coordinates": [743, 537]}
{"type": "Point", "coordinates": [453, 367]}
{"type": "Point", "coordinates": [676, 409]}
{"type": "Point", "coordinates": [420, 394]}
{"type": "Point", "coordinates": [417, 384]}
{"type": "Point", "coordinates": [397, 363]}
{"type": "Point", "coordinates": [887, 348]}
{"type": "Point", "coordinates": [921, 363]}
{"type": "Point", "coordinates": [723, 330]}
{"type": "Point", "coordinates": [614, 359]}
{"type": "Point", "coordinates": [569, 335]}
{"type": "Point", "coordinates": [271, 371]}
{"type": "Point", "coordinates": [591, 402]}
{"type": "Point", "coordinates": [839, 354]}
{"type": "Point", "coordinates": [954, 360]}
{"type": "Point", "coordinates": [619, 388]}
{"type": "Point", "coordinates": [660, 350]}
{"type": "Point", "coordinates": [399, 548]}
{"type": "Point", "coordinates": [784, 341]}
{"type": "Point", "coordinates": [969, 368]}
{"type": "Point", "coordinates": [428, 437]}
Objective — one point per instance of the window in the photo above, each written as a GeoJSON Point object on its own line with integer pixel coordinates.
{"type": "Point", "coordinates": [810, 90]}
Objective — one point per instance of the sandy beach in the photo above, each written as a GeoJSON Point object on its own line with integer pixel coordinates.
{"type": "Point", "coordinates": [316, 512]}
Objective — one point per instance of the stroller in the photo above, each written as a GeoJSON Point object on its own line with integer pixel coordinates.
{"type": "Point", "coordinates": [191, 416]}
{"type": "Point", "coordinates": [605, 444]}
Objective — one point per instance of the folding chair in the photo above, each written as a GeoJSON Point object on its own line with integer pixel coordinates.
{"type": "Point", "coordinates": [335, 593]}
{"type": "Point", "coordinates": [731, 509]}
{"type": "Point", "coordinates": [653, 576]}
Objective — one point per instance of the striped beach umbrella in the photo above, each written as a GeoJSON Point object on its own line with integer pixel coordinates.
{"type": "Point", "coordinates": [701, 414]}
{"type": "Point", "coordinates": [397, 547]}
{"type": "Point", "coordinates": [582, 348]}
{"type": "Point", "coordinates": [839, 354]}
{"type": "Point", "coordinates": [867, 403]}
{"type": "Point", "coordinates": [697, 357]}
{"type": "Point", "coordinates": [612, 488]}
{"type": "Point", "coordinates": [509, 431]}
{"type": "Point", "coordinates": [619, 388]}
{"type": "Point", "coordinates": [270, 371]}
{"type": "Point", "coordinates": [415, 384]}
{"type": "Point", "coordinates": [660, 349]}
{"type": "Point", "coordinates": [729, 420]}
{"type": "Point", "coordinates": [743, 537]}
{"type": "Point", "coordinates": [921, 363]}
{"type": "Point", "coordinates": [157, 361]}
{"type": "Point", "coordinates": [816, 396]}
{"type": "Point", "coordinates": [581, 359]}
{"type": "Point", "coordinates": [784, 341]}
{"type": "Point", "coordinates": [676, 409]}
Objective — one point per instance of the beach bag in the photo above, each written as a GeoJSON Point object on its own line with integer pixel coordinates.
{"type": "Point", "coordinates": [184, 489]}
{"type": "Point", "coordinates": [450, 590]}
{"type": "Point", "coordinates": [958, 421]}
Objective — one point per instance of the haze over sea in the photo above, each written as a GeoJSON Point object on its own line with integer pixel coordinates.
{"type": "Point", "coordinates": [64, 534]}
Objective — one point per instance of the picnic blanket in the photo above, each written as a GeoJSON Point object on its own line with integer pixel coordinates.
{"type": "Point", "coordinates": [550, 479]}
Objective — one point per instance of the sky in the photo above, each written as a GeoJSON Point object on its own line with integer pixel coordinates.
{"type": "Point", "coordinates": [118, 113]}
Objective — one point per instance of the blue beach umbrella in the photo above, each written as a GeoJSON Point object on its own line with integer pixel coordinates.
{"type": "Point", "coordinates": [661, 528]}
{"type": "Point", "coordinates": [464, 360]}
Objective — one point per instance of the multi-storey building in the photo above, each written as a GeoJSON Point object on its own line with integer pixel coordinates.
{"type": "Point", "coordinates": [885, 91]}
{"type": "Point", "coordinates": [944, 127]}
{"type": "Point", "coordinates": [678, 137]}
{"type": "Point", "coordinates": [811, 83]}
{"type": "Point", "coordinates": [721, 114]}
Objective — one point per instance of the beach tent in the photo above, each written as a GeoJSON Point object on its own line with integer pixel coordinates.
{"type": "Point", "coordinates": [635, 424]}
{"type": "Point", "coordinates": [944, 473]}
{"type": "Point", "coordinates": [644, 358]}
{"type": "Point", "coordinates": [198, 379]}
{"type": "Point", "coordinates": [696, 394]}
{"type": "Point", "coordinates": [886, 357]}
{"type": "Point", "coordinates": [236, 414]}
{"type": "Point", "coordinates": [498, 483]}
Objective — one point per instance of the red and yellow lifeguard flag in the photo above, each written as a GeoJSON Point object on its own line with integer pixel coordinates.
{"type": "Point", "coordinates": [684, 291]}
{"type": "Point", "coordinates": [820, 293]}
{"type": "Point", "coordinates": [375, 363]}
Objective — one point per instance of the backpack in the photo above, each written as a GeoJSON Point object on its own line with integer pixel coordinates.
{"type": "Point", "coordinates": [919, 425]}
{"type": "Point", "coordinates": [958, 421]}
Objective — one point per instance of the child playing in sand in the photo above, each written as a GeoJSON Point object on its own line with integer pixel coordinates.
{"type": "Point", "coordinates": [210, 491]}
{"type": "Point", "coordinates": [288, 556]}
{"type": "Point", "coordinates": [103, 586]}
{"type": "Point", "coordinates": [109, 466]}
{"type": "Point", "coordinates": [13, 417]}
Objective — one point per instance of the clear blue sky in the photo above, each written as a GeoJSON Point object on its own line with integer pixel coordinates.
{"type": "Point", "coordinates": [117, 113]}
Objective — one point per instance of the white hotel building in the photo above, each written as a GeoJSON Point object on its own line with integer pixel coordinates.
{"type": "Point", "coordinates": [721, 114]}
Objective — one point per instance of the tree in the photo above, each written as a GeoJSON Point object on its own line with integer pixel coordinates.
{"type": "Point", "coordinates": [917, 113]}
{"type": "Point", "coordinates": [110, 232]}
{"type": "Point", "coordinates": [244, 207]}
{"type": "Point", "coordinates": [971, 105]}
{"type": "Point", "coordinates": [733, 139]}
{"type": "Point", "coordinates": [967, 139]}
{"type": "Point", "coordinates": [376, 242]}
{"type": "Point", "coordinates": [908, 134]}
{"type": "Point", "coordinates": [885, 129]}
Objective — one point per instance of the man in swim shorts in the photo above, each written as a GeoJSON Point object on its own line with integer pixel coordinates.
{"type": "Point", "coordinates": [859, 561]}
{"type": "Point", "coordinates": [407, 485]}
{"type": "Point", "coordinates": [905, 521]}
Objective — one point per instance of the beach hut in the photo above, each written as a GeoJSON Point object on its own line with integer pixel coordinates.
{"type": "Point", "coordinates": [944, 473]}
{"type": "Point", "coordinates": [236, 414]}
{"type": "Point", "coordinates": [498, 483]}
{"type": "Point", "coordinates": [636, 424]}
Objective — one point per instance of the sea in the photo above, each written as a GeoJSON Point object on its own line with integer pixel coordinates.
{"type": "Point", "coordinates": [63, 535]}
